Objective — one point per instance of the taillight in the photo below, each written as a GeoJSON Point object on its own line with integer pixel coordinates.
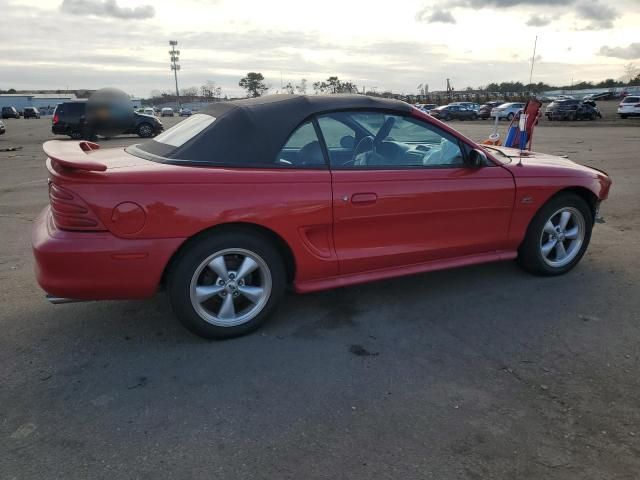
{"type": "Point", "coordinates": [70, 212]}
{"type": "Point", "coordinates": [55, 119]}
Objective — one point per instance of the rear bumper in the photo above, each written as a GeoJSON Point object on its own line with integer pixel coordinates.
{"type": "Point", "coordinates": [97, 265]}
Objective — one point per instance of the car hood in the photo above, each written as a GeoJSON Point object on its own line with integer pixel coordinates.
{"type": "Point", "coordinates": [536, 164]}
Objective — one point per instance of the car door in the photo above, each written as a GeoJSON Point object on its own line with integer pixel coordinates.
{"type": "Point", "coordinates": [410, 197]}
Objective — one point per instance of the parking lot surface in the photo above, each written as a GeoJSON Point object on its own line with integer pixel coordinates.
{"type": "Point", "coordinates": [475, 373]}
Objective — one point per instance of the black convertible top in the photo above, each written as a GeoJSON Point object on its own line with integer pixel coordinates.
{"type": "Point", "coordinates": [253, 131]}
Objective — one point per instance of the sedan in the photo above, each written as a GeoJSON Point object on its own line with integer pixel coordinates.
{"type": "Point", "coordinates": [3, 129]}
{"type": "Point", "coordinates": [484, 111]}
{"type": "Point", "coordinates": [232, 205]}
{"type": "Point", "coordinates": [507, 111]}
{"type": "Point", "coordinates": [453, 112]}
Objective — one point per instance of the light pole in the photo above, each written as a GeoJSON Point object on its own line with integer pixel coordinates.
{"type": "Point", "coordinates": [175, 66]}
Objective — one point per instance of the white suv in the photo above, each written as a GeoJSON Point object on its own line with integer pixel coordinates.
{"type": "Point", "coordinates": [629, 106]}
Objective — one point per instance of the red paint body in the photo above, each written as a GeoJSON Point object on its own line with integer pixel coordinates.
{"type": "Point", "coordinates": [342, 227]}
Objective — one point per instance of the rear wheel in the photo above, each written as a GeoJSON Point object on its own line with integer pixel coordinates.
{"type": "Point", "coordinates": [557, 236]}
{"type": "Point", "coordinates": [226, 285]}
{"type": "Point", "coordinates": [510, 117]}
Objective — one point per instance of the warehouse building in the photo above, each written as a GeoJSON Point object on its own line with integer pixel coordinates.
{"type": "Point", "coordinates": [42, 101]}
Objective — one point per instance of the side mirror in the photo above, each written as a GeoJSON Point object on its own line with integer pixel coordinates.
{"type": "Point", "coordinates": [348, 142]}
{"type": "Point", "coordinates": [477, 158]}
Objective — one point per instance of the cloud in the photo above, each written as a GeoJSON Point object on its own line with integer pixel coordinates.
{"type": "Point", "coordinates": [438, 15]}
{"type": "Point", "coordinates": [601, 16]}
{"type": "Point", "coordinates": [627, 53]}
{"type": "Point", "coordinates": [107, 8]}
{"type": "Point", "coordinates": [510, 3]}
{"type": "Point", "coordinates": [538, 21]}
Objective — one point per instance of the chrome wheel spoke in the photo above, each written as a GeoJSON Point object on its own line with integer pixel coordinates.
{"type": "Point", "coordinates": [561, 252]}
{"type": "Point", "coordinates": [547, 247]}
{"type": "Point", "coordinates": [219, 266]}
{"type": "Point", "coordinates": [205, 292]}
{"type": "Point", "coordinates": [572, 233]}
{"type": "Point", "coordinates": [565, 216]}
{"type": "Point", "coordinates": [228, 309]}
{"type": "Point", "coordinates": [549, 228]}
{"type": "Point", "coordinates": [248, 266]}
{"type": "Point", "coordinates": [253, 294]}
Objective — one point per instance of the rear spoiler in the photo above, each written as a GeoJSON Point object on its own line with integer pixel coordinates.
{"type": "Point", "coordinates": [73, 155]}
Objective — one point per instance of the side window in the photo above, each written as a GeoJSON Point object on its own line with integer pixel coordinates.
{"type": "Point", "coordinates": [302, 149]}
{"type": "Point", "coordinates": [336, 134]}
{"type": "Point", "coordinates": [392, 141]}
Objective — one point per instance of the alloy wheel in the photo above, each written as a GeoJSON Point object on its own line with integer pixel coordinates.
{"type": "Point", "coordinates": [230, 287]}
{"type": "Point", "coordinates": [562, 237]}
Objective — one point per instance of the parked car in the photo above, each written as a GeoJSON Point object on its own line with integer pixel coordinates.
{"type": "Point", "coordinates": [598, 96]}
{"type": "Point", "coordinates": [10, 112]}
{"type": "Point", "coordinates": [3, 129]}
{"type": "Point", "coordinates": [484, 111]}
{"type": "Point", "coordinates": [453, 112]}
{"type": "Point", "coordinates": [167, 112]}
{"type": "Point", "coordinates": [571, 109]}
{"type": "Point", "coordinates": [69, 118]}
{"type": "Point", "coordinates": [470, 105]}
{"type": "Point", "coordinates": [30, 112]}
{"type": "Point", "coordinates": [149, 111]}
{"type": "Point", "coordinates": [315, 191]}
{"type": "Point", "coordinates": [629, 106]}
{"type": "Point", "coordinates": [185, 112]}
{"type": "Point", "coordinates": [426, 107]}
{"type": "Point", "coordinates": [507, 110]}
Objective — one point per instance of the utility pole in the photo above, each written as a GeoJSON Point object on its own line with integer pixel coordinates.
{"type": "Point", "coordinates": [533, 60]}
{"type": "Point", "coordinates": [175, 66]}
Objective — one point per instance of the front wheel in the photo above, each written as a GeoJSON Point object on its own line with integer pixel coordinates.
{"type": "Point", "coordinates": [510, 117]}
{"type": "Point", "coordinates": [557, 236]}
{"type": "Point", "coordinates": [226, 285]}
{"type": "Point", "coordinates": [145, 130]}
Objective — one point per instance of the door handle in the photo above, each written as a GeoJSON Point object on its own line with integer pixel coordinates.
{"type": "Point", "coordinates": [363, 198]}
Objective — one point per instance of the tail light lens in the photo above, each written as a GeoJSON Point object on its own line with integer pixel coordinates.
{"type": "Point", "coordinates": [55, 119]}
{"type": "Point", "coordinates": [70, 212]}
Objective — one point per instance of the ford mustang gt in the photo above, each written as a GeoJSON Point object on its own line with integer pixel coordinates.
{"type": "Point", "coordinates": [228, 207]}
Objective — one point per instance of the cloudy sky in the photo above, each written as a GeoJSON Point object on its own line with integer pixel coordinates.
{"type": "Point", "coordinates": [384, 44]}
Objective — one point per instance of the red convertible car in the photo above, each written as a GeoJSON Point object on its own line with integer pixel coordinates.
{"type": "Point", "coordinates": [230, 206]}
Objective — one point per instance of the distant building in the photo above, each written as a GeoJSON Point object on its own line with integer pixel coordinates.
{"type": "Point", "coordinates": [38, 100]}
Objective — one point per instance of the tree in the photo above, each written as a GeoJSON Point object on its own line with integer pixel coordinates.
{"type": "Point", "coordinates": [288, 88]}
{"type": "Point", "coordinates": [189, 92]}
{"type": "Point", "coordinates": [254, 84]}
{"type": "Point", "coordinates": [302, 88]}
{"type": "Point", "coordinates": [630, 71]}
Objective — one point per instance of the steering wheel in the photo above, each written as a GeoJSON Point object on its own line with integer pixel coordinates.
{"type": "Point", "coordinates": [365, 145]}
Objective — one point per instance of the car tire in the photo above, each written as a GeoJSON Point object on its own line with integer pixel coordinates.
{"type": "Point", "coordinates": [510, 117]}
{"type": "Point", "coordinates": [623, 116]}
{"type": "Point", "coordinates": [221, 302]}
{"type": "Point", "coordinates": [474, 117]}
{"type": "Point", "coordinates": [557, 236]}
{"type": "Point", "coordinates": [145, 130]}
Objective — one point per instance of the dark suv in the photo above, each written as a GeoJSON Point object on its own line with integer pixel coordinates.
{"type": "Point", "coordinates": [10, 112]}
{"type": "Point", "coordinates": [69, 118]}
{"type": "Point", "coordinates": [30, 112]}
{"type": "Point", "coordinates": [570, 109]}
